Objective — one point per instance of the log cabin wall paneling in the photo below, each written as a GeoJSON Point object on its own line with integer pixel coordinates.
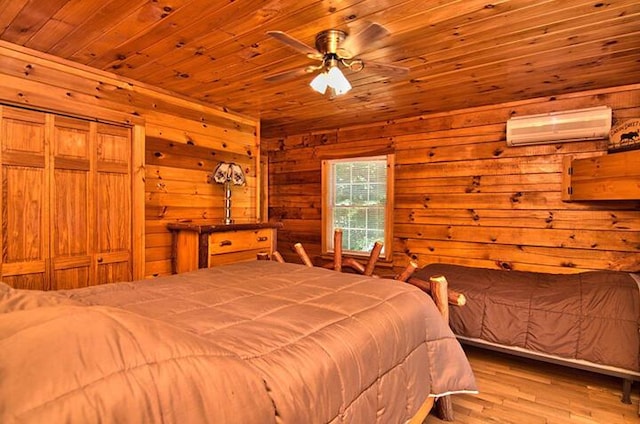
{"type": "Point", "coordinates": [180, 158]}
{"type": "Point", "coordinates": [181, 141]}
{"type": "Point", "coordinates": [463, 196]}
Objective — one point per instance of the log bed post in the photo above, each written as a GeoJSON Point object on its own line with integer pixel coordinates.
{"type": "Point", "coordinates": [277, 257]}
{"type": "Point", "coordinates": [439, 293]}
{"type": "Point", "coordinates": [303, 255]}
{"type": "Point", "coordinates": [438, 288]}
{"type": "Point", "coordinates": [443, 405]}
{"type": "Point", "coordinates": [373, 258]}
{"type": "Point", "coordinates": [408, 272]}
{"type": "Point", "coordinates": [454, 297]}
{"type": "Point", "coordinates": [337, 250]}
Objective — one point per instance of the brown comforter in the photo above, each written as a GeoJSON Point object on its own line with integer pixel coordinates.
{"type": "Point", "coordinates": [256, 342]}
{"type": "Point", "coordinates": [591, 316]}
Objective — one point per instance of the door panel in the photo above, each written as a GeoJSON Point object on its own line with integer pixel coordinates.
{"type": "Point", "coordinates": [27, 281]}
{"type": "Point", "coordinates": [24, 199]}
{"type": "Point", "coordinates": [114, 272]}
{"type": "Point", "coordinates": [72, 278]}
{"type": "Point", "coordinates": [71, 215]}
{"type": "Point", "coordinates": [113, 211]}
{"type": "Point", "coordinates": [23, 131]}
{"type": "Point", "coordinates": [114, 145]}
{"type": "Point", "coordinates": [113, 205]}
{"type": "Point", "coordinates": [72, 138]}
{"type": "Point", "coordinates": [71, 239]}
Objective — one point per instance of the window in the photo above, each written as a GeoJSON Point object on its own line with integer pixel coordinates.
{"type": "Point", "coordinates": [358, 198]}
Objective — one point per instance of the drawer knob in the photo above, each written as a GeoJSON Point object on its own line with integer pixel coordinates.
{"type": "Point", "coordinates": [225, 243]}
{"type": "Point", "coordinates": [263, 238]}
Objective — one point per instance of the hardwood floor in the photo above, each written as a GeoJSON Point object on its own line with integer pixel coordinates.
{"type": "Point", "coordinates": [522, 391]}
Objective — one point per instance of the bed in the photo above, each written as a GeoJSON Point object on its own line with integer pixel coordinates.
{"type": "Point", "coordinates": [588, 320]}
{"type": "Point", "coordinates": [253, 342]}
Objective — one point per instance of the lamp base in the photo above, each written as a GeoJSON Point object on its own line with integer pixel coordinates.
{"type": "Point", "coordinates": [227, 203]}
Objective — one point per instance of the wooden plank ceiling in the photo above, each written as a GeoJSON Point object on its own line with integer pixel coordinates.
{"type": "Point", "coordinates": [461, 53]}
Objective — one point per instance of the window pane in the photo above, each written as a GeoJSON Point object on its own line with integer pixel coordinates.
{"type": "Point", "coordinates": [378, 172]}
{"type": "Point", "coordinates": [358, 218]}
{"type": "Point", "coordinates": [356, 240]}
{"type": "Point", "coordinates": [343, 195]}
{"type": "Point", "coordinates": [378, 194]}
{"type": "Point", "coordinates": [359, 202]}
{"type": "Point", "coordinates": [340, 218]}
{"type": "Point", "coordinates": [376, 219]}
{"type": "Point", "coordinates": [360, 172]}
{"type": "Point", "coordinates": [360, 194]}
{"type": "Point", "coordinates": [342, 172]}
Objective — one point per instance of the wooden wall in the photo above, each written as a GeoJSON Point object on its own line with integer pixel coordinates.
{"type": "Point", "coordinates": [463, 196]}
{"type": "Point", "coordinates": [180, 141]}
{"type": "Point", "coordinates": [180, 158]}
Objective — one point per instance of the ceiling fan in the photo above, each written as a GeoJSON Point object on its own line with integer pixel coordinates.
{"type": "Point", "coordinates": [334, 49]}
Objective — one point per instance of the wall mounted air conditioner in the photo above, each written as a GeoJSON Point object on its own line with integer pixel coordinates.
{"type": "Point", "coordinates": [559, 127]}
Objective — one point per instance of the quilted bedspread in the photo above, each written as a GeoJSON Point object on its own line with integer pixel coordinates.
{"type": "Point", "coordinates": [591, 316]}
{"type": "Point", "coordinates": [254, 342]}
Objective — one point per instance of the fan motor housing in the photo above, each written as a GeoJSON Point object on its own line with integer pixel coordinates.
{"type": "Point", "coordinates": [328, 41]}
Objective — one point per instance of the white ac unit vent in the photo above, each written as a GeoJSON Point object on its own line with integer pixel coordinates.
{"type": "Point", "coordinates": [559, 127]}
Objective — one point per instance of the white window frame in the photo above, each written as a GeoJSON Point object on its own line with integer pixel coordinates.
{"type": "Point", "coordinates": [328, 192]}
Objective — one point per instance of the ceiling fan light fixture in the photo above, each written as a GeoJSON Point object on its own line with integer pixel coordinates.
{"type": "Point", "coordinates": [338, 81]}
{"type": "Point", "coordinates": [335, 49]}
{"type": "Point", "coordinates": [320, 83]}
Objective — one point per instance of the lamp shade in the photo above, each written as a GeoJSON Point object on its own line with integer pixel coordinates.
{"type": "Point", "coordinates": [320, 82]}
{"type": "Point", "coordinates": [333, 79]}
{"type": "Point", "coordinates": [228, 172]}
{"type": "Point", "coordinates": [338, 81]}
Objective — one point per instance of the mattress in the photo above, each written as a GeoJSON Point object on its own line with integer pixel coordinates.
{"type": "Point", "coordinates": [280, 343]}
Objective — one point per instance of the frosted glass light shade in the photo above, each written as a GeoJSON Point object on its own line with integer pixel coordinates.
{"type": "Point", "coordinates": [320, 83]}
{"type": "Point", "coordinates": [333, 79]}
{"type": "Point", "coordinates": [338, 81]}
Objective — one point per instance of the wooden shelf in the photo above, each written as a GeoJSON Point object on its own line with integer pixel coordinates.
{"type": "Point", "coordinates": [614, 176]}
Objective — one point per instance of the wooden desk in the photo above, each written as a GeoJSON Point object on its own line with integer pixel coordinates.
{"type": "Point", "coordinates": [196, 246]}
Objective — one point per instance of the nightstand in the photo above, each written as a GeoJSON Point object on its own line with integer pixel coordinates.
{"type": "Point", "coordinates": [201, 246]}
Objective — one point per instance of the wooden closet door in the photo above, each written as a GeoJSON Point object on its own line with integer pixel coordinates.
{"type": "Point", "coordinates": [72, 216]}
{"type": "Point", "coordinates": [25, 198]}
{"type": "Point", "coordinates": [65, 205]}
{"type": "Point", "coordinates": [113, 204]}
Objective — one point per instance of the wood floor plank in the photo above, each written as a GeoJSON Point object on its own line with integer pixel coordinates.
{"type": "Point", "coordinates": [523, 391]}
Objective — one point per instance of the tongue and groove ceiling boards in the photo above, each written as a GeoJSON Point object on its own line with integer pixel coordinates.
{"type": "Point", "coordinates": [460, 54]}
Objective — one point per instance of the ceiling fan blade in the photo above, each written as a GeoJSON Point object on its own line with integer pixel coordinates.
{"type": "Point", "coordinates": [393, 70]}
{"type": "Point", "coordinates": [356, 43]}
{"type": "Point", "coordinates": [287, 75]}
{"type": "Point", "coordinates": [295, 44]}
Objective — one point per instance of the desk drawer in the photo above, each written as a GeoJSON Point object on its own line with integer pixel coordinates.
{"type": "Point", "coordinates": [236, 241]}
